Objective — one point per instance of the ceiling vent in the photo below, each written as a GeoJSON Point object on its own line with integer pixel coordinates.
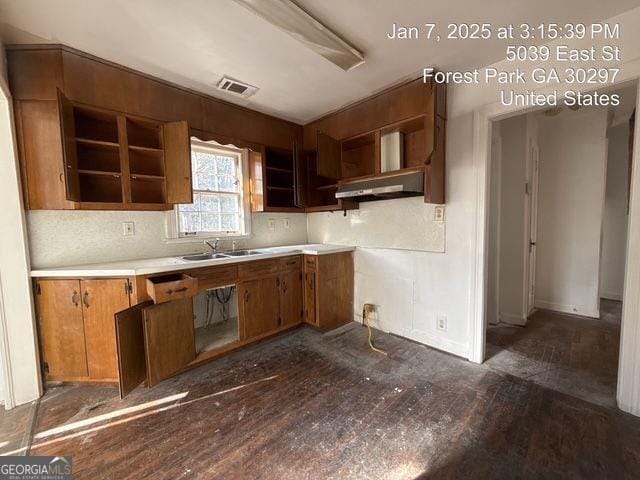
{"type": "Point", "coordinates": [236, 88]}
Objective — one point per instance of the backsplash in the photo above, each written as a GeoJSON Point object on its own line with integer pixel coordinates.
{"type": "Point", "coordinates": [66, 237]}
{"type": "Point", "coordinates": [403, 224]}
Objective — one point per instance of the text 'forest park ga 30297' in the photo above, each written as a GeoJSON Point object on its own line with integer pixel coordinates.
{"type": "Point", "coordinates": [545, 64]}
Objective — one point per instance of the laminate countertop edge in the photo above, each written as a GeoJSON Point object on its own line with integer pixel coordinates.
{"type": "Point", "coordinates": [149, 266]}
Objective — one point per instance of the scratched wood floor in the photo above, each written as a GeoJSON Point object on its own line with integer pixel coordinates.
{"type": "Point", "coordinates": [307, 405]}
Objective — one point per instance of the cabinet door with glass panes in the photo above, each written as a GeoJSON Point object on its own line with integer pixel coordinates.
{"type": "Point", "coordinates": [219, 206]}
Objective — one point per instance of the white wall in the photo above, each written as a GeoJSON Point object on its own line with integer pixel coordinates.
{"type": "Point", "coordinates": [493, 235]}
{"type": "Point", "coordinates": [58, 238]}
{"type": "Point", "coordinates": [412, 287]}
{"type": "Point", "coordinates": [573, 152]}
{"type": "Point", "coordinates": [614, 226]}
{"type": "Point", "coordinates": [17, 326]}
{"type": "Point", "coordinates": [402, 223]}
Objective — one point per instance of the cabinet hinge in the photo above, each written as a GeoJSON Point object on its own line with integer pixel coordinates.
{"type": "Point", "coordinates": [38, 289]}
{"type": "Point", "coordinates": [128, 287]}
{"type": "Point", "coordinates": [45, 367]}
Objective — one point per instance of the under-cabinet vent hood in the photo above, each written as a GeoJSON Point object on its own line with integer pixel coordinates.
{"type": "Point", "coordinates": [407, 184]}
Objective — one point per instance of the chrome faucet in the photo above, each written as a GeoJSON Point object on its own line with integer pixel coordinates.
{"type": "Point", "coordinates": [213, 247]}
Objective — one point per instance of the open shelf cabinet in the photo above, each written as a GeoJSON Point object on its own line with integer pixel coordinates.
{"type": "Point", "coordinates": [274, 177]}
{"type": "Point", "coordinates": [119, 161]}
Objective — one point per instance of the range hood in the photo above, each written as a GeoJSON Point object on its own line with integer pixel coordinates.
{"type": "Point", "coordinates": [405, 184]}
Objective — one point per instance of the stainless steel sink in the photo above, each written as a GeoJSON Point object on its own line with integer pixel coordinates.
{"type": "Point", "coordinates": [242, 253]}
{"type": "Point", "coordinates": [204, 256]}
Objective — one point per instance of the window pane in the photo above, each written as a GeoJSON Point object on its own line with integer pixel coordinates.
{"type": "Point", "coordinates": [229, 223]}
{"type": "Point", "coordinates": [203, 181]}
{"type": "Point", "coordinates": [226, 166]}
{"type": "Point", "coordinates": [205, 163]}
{"type": "Point", "coordinates": [191, 207]}
{"type": "Point", "coordinates": [210, 222]}
{"type": "Point", "coordinates": [209, 202]}
{"type": "Point", "coordinates": [226, 184]}
{"type": "Point", "coordinates": [190, 222]}
{"type": "Point", "coordinates": [228, 204]}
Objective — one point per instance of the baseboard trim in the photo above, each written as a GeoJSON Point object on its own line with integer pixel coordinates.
{"type": "Point", "coordinates": [565, 308]}
{"type": "Point", "coordinates": [611, 296]}
{"type": "Point", "coordinates": [425, 338]}
{"type": "Point", "coordinates": [512, 319]}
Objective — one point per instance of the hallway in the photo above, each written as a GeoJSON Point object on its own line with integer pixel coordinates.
{"type": "Point", "coordinates": [574, 355]}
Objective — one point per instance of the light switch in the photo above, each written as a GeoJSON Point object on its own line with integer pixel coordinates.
{"type": "Point", "coordinates": [271, 224]}
{"type": "Point", "coordinates": [286, 223]}
{"type": "Point", "coordinates": [438, 213]}
{"type": "Point", "coordinates": [128, 229]}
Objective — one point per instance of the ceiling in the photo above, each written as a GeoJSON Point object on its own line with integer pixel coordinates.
{"type": "Point", "coordinates": [195, 42]}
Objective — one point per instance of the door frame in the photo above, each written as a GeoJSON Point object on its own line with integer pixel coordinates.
{"type": "Point", "coordinates": [531, 226]}
{"type": "Point", "coordinates": [628, 387]}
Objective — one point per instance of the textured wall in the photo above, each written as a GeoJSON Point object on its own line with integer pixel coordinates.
{"type": "Point", "coordinates": [405, 224]}
{"type": "Point", "coordinates": [61, 237]}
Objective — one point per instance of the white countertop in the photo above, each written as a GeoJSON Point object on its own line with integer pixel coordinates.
{"type": "Point", "coordinates": [128, 268]}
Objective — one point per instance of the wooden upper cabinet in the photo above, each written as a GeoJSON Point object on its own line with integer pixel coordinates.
{"type": "Point", "coordinates": [177, 160]}
{"type": "Point", "coordinates": [328, 157]}
{"type": "Point", "coordinates": [69, 148]}
{"type": "Point", "coordinates": [115, 161]}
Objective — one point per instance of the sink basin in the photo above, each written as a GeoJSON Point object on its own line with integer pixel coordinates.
{"type": "Point", "coordinates": [242, 253]}
{"type": "Point", "coordinates": [204, 256]}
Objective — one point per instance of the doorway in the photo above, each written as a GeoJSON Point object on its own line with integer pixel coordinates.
{"type": "Point", "coordinates": [557, 206]}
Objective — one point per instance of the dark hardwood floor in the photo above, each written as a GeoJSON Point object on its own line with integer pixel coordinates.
{"type": "Point", "coordinates": [308, 405]}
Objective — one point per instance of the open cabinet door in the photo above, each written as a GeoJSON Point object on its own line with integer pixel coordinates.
{"type": "Point", "coordinates": [299, 176]}
{"type": "Point", "coordinates": [169, 338]}
{"type": "Point", "coordinates": [132, 365]}
{"type": "Point", "coordinates": [177, 162]}
{"type": "Point", "coordinates": [329, 157]}
{"type": "Point", "coordinates": [69, 150]}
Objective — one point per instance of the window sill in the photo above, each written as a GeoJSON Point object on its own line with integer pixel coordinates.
{"type": "Point", "coordinates": [201, 239]}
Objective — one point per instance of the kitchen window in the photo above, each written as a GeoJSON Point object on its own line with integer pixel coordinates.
{"type": "Point", "coordinates": [219, 207]}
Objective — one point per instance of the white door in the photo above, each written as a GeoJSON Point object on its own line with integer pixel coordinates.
{"type": "Point", "coordinates": [532, 197]}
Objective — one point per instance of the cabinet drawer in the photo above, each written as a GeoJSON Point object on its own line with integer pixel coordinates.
{"type": "Point", "coordinates": [216, 276]}
{"type": "Point", "coordinates": [310, 263]}
{"type": "Point", "coordinates": [257, 268]}
{"type": "Point", "coordinates": [290, 263]}
{"type": "Point", "coordinates": [169, 287]}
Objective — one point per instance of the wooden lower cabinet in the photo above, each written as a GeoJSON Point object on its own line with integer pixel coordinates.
{"type": "Point", "coordinates": [328, 290]}
{"type": "Point", "coordinates": [154, 342]}
{"type": "Point", "coordinates": [291, 300]}
{"type": "Point", "coordinates": [76, 329]}
{"type": "Point", "coordinates": [259, 306]}
{"type": "Point", "coordinates": [61, 329]}
{"type": "Point", "coordinates": [89, 331]}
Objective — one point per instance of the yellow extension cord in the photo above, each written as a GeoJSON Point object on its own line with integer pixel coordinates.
{"type": "Point", "coordinates": [366, 310]}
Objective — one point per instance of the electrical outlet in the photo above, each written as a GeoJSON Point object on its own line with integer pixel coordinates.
{"type": "Point", "coordinates": [438, 213]}
{"type": "Point", "coordinates": [271, 224]}
{"type": "Point", "coordinates": [128, 229]}
{"type": "Point", "coordinates": [286, 223]}
{"type": "Point", "coordinates": [441, 323]}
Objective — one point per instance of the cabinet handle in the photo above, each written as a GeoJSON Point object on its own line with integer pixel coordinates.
{"type": "Point", "coordinates": [85, 299]}
{"type": "Point", "coordinates": [74, 298]}
{"type": "Point", "coordinates": [246, 295]}
{"type": "Point", "coordinates": [177, 290]}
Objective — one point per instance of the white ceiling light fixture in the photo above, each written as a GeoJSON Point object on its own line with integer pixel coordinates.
{"type": "Point", "coordinates": [290, 18]}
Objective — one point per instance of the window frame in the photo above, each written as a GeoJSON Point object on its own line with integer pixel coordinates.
{"type": "Point", "coordinates": [174, 234]}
